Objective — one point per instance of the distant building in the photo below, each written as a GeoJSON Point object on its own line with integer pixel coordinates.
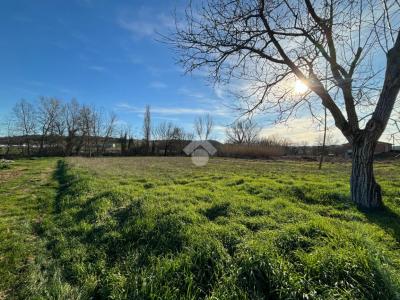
{"type": "Point", "coordinates": [381, 147]}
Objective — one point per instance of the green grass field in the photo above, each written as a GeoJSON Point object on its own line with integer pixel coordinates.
{"type": "Point", "coordinates": [161, 228]}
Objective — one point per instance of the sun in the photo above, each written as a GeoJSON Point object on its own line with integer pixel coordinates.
{"type": "Point", "coordinates": [300, 87]}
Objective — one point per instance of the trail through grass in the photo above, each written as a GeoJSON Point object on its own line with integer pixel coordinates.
{"type": "Point", "coordinates": [27, 193]}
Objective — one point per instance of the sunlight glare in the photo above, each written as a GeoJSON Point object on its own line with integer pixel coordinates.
{"type": "Point", "coordinates": [300, 87]}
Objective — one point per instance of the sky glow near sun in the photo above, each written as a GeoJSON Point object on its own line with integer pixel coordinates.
{"type": "Point", "coordinates": [300, 87]}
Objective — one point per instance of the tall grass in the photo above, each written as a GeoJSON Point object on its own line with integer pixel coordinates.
{"type": "Point", "coordinates": [153, 228]}
{"type": "Point", "coordinates": [161, 228]}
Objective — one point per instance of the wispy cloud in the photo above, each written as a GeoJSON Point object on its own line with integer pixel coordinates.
{"type": "Point", "coordinates": [158, 71]}
{"type": "Point", "coordinates": [158, 85]}
{"type": "Point", "coordinates": [190, 93]}
{"type": "Point", "coordinates": [201, 98]}
{"type": "Point", "coordinates": [172, 110]}
{"type": "Point", "coordinates": [166, 118]}
{"type": "Point", "coordinates": [145, 22]}
{"type": "Point", "coordinates": [97, 68]}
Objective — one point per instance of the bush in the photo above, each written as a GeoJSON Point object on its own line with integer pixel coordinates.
{"type": "Point", "coordinates": [5, 164]}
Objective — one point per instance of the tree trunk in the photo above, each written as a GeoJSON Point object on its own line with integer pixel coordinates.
{"type": "Point", "coordinates": [365, 192]}
{"type": "Point", "coordinates": [28, 146]}
{"type": "Point", "coordinates": [166, 148]}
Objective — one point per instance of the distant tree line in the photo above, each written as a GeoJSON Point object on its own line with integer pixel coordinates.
{"type": "Point", "coordinates": [164, 139]}
{"type": "Point", "coordinates": [54, 127]}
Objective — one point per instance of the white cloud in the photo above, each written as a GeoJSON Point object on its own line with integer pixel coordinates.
{"type": "Point", "coordinates": [145, 23]}
{"type": "Point", "coordinates": [97, 68]}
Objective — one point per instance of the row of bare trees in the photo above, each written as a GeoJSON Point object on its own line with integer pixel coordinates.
{"type": "Point", "coordinates": [165, 138]}
{"type": "Point", "coordinates": [51, 126]}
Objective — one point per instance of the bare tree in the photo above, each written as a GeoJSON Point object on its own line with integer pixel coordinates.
{"type": "Point", "coordinates": [48, 115]}
{"type": "Point", "coordinates": [177, 139]}
{"type": "Point", "coordinates": [60, 126]}
{"type": "Point", "coordinates": [199, 127]}
{"type": "Point", "coordinates": [209, 126]}
{"type": "Point", "coordinates": [25, 122]}
{"type": "Point", "coordinates": [71, 118]}
{"type": "Point", "coordinates": [270, 44]}
{"type": "Point", "coordinates": [123, 140]}
{"type": "Point", "coordinates": [147, 128]}
{"type": "Point", "coordinates": [203, 126]}
{"type": "Point", "coordinates": [9, 132]}
{"type": "Point", "coordinates": [97, 123]}
{"type": "Point", "coordinates": [163, 132]}
{"type": "Point", "coordinates": [68, 127]}
{"type": "Point", "coordinates": [109, 128]}
{"type": "Point", "coordinates": [243, 132]}
{"type": "Point", "coordinates": [177, 134]}
{"type": "Point", "coordinates": [87, 128]}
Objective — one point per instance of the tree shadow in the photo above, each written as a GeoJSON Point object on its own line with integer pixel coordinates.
{"type": "Point", "coordinates": [64, 180]}
{"type": "Point", "coordinates": [387, 219]}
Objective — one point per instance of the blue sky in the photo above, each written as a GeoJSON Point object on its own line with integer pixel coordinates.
{"type": "Point", "coordinates": [104, 53]}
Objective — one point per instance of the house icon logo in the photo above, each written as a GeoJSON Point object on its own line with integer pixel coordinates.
{"type": "Point", "coordinates": [200, 152]}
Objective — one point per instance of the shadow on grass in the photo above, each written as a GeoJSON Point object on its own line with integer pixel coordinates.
{"type": "Point", "coordinates": [64, 180]}
{"type": "Point", "coordinates": [387, 219]}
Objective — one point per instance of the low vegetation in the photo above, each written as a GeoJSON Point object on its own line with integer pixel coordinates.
{"type": "Point", "coordinates": [258, 151]}
{"type": "Point", "coordinates": [161, 228]}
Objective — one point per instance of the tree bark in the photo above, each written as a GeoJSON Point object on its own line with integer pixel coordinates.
{"type": "Point", "coordinates": [166, 148]}
{"type": "Point", "coordinates": [28, 146]}
{"type": "Point", "coordinates": [41, 147]}
{"type": "Point", "coordinates": [365, 192]}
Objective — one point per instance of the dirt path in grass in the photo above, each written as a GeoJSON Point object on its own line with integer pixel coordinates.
{"type": "Point", "coordinates": [27, 191]}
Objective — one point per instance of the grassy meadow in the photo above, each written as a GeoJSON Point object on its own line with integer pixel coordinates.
{"type": "Point", "coordinates": [161, 228]}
